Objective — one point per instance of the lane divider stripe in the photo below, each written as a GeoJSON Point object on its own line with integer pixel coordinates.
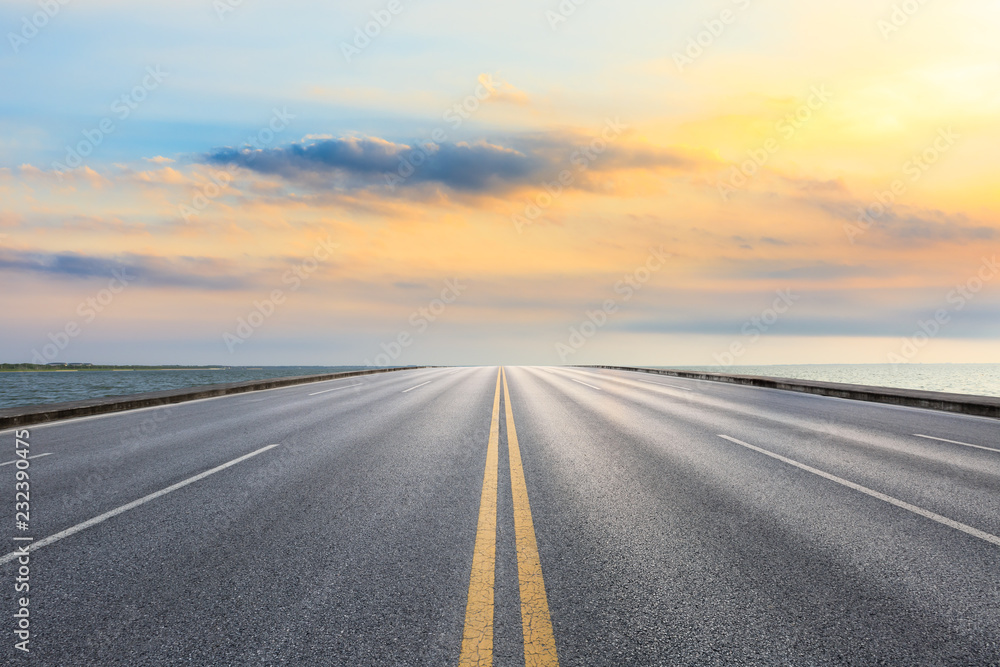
{"type": "Point", "coordinates": [585, 384]}
{"type": "Point", "coordinates": [124, 508]}
{"type": "Point", "coordinates": [326, 391]}
{"type": "Point", "coordinates": [36, 456]}
{"type": "Point", "coordinates": [417, 387]}
{"type": "Point", "coordinates": [975, 532]}
{"type": "Point", "coordinates": [956, 442]}
{"type": "Point", "coordinates": [661, 384]}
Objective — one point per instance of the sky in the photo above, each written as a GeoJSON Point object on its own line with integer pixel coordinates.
{"type": "Point", "coordinates": [735, 182]}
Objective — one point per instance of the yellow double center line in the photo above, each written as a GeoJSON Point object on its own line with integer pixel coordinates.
{"type": "Point", "coordinates": [477, 639]}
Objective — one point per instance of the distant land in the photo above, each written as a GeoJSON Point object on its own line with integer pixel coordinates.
{"type": "Point", "coordinates": [61, 367]}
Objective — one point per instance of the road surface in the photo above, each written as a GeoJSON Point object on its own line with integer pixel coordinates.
{"type": "Point", "coordinates": [543, 516]}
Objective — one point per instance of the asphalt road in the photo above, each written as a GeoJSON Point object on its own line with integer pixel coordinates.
{"type": "Point", "coordinates": [422, 518]}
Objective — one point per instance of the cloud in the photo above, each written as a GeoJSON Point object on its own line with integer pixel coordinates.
{"type": "Point", "coordinates": [926, 226]}
{"type": "Point", "coordinates": [84, 175]}
{"type": "Point", "coordinates": [190, 272]}
{"type": "Point", "coordinates": [904, 224]}
{"type": "Point", "coordinates": [503, 92]}
{"type": "Point", "coordinates": [480, 167]}
{"type": "Point", "coordinates": [822, 271]}
{"type": "Point", "coordinates": [979, 321]}
{"type": "Point", "coordinates": [364, 161]}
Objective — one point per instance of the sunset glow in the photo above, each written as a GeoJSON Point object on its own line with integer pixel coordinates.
{"type": "Point", "coordinates": [224, 159]}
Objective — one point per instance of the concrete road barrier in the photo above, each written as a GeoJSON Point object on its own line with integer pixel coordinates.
{"type": "Point", "coordinates": [980, 406]}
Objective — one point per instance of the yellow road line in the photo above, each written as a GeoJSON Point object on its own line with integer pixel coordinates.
{"type": "Point", "coordinates": [539, 642]}
{"type": "Point", "coordinates": [477, 638]}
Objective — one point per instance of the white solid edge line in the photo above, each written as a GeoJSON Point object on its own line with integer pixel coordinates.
{"type": "Point", "coordinates": [36, 456]}
{"type": "Point", "coordinates": [124, 508]}
{"type": "Point", "coordinates": [673, 386]}
{"type": "Point", "coordinates": [417, 387]}
{"type": "Point", "coordinates": [956, 442]}
{"type": "Point", "coordinates": [336, 389]}
{"type": "Point", "coordinates": [584, 383]}
{"type": "Point", "coordinates": [975, 532]}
